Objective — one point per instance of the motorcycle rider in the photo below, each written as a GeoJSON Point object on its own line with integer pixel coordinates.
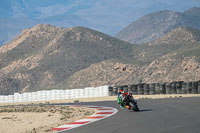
{"type": "Point", "coordinates": [120, 98]}
{"type": "Point", "coordinates": [120, 92]}
{"type": "Point", "coordinates": [123, 98]}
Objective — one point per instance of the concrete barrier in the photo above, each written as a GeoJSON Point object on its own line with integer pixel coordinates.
{"type": "Point", "coordinates": [44, 95]}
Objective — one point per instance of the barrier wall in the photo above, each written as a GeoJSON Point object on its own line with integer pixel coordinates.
{"type": "Point", "coordinates": [179, 87]}
{"type": "Point", "coordinates": [44, 95]}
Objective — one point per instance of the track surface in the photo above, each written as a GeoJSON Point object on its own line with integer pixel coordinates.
{"type": "Point", "coordinates": [177, 115]}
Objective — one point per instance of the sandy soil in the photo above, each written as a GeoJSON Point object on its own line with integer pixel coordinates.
{"type": "Point", "coordinates": [37, 119]}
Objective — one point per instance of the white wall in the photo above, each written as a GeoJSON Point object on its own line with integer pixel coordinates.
{"type": "Point", "coordinates": [100, 91]}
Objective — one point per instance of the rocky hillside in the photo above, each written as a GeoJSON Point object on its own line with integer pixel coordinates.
{"type": "Point", "coordinates": [115, 73]}
{"type": "Point", "coordinates": [47, 57]}
{"type": "Point", "coordinates": [174, 57]}
{"type": "Point", "coordinates": [179, 38]}
{"type": "Point", "coordinates": [44, 56]}
{"type": "Point", "coordinates": [155, 25]}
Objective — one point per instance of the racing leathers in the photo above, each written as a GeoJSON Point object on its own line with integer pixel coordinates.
{"type": "Point", "coordinates": [120, 99]}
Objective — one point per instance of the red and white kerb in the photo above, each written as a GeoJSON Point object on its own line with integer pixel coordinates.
{"type": "Point", "coordinates": [101, 113]}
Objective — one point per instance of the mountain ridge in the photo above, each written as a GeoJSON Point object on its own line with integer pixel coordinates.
{"type": "Point", "coordinates": [45, 55]}
{"type": "Point", "coordinates": [152, 26]}
{"type": "Point", "coordinates": [179, 62]}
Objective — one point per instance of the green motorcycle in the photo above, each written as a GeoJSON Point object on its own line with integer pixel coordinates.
{"type": "Point", "coordinates": [127, 101]}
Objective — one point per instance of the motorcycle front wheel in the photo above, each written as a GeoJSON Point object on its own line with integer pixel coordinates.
{"type": "Point", "coordinates": [134, 107]}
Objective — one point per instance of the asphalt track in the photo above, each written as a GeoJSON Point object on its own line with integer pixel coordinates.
{"type": "Point", "coordinates": [177, 115]}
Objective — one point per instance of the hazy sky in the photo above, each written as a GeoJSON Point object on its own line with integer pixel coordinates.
{"type": "Point", "coordinates": [108, 16]}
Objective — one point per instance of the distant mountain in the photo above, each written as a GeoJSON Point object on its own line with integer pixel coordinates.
{"type": "Point", "coordinates": [152, 26]}
{"type": "Point", "coordinates": [108, 16]}
{"type": "Point", "coordinates": [193, 11]}
{"type": "Point", "coordinates": [44, 56]}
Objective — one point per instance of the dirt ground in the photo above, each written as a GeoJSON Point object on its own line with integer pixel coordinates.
{"type": "Point", "coordinates": [38, 119]}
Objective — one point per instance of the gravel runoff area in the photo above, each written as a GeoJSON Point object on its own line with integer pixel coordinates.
{"type": "Point", "coordinates": [38, 118]}
{"type": "Point", "coordinates": [41, 118]}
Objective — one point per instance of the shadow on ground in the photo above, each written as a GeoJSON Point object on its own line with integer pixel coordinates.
{"type": "Point", "coordinates": [145, 110]}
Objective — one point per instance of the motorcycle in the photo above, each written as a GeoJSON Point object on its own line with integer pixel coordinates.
{"type": "Point", "coordinates": [129, 102]}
